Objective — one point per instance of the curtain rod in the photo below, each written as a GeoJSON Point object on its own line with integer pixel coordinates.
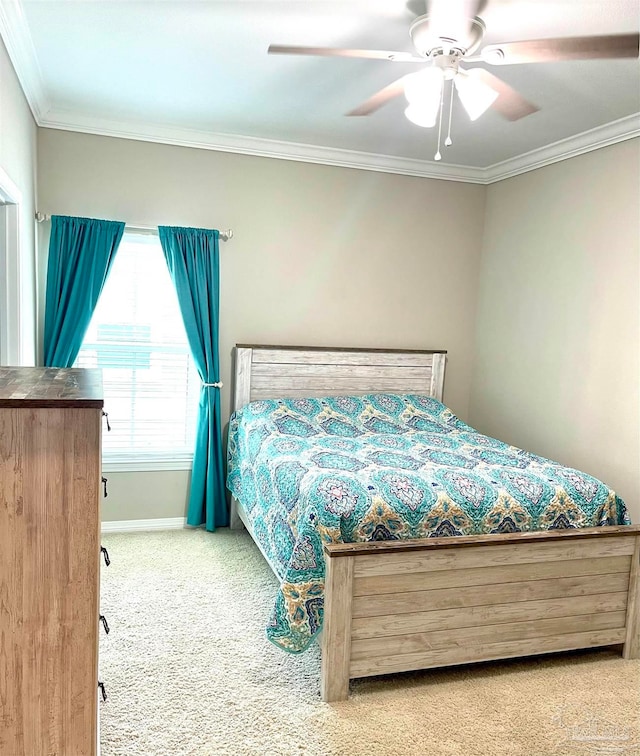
{"type": "Point", "coordinates": [224, 235]}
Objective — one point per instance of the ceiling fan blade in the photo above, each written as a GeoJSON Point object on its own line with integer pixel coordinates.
{"type": "Point", "coordinates": [509, 103]}
{"type": "Point", "coordinates": [342, 52]}
{"type": "Point", "coordinates": [451, 19]}
{"type": "Point", "coordinates": [563, 48]}
{"type": "Point", "coordinates": [380, 98]}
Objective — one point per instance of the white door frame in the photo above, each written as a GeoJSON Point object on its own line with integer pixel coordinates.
{"type": "Point", "coordinates": [11, 276]}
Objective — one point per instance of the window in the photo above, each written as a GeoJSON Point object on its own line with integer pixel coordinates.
{"type": "Point", "coordinates": [151, 385]}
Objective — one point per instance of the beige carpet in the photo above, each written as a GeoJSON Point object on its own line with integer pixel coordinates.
{"type": "Point", "coordinates": [188, 671]}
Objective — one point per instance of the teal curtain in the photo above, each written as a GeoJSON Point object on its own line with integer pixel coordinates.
{"type": "Point", "coordinates": [81, 252]}
{"type": "Point", "coordinates": [193, 259]}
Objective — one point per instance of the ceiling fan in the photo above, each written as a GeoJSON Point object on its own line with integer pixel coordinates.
{"type": "Point", "coordinates": [446, 36]}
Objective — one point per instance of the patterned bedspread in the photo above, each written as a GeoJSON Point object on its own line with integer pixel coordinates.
{"type": "Point", "coordinates": [382, 467]}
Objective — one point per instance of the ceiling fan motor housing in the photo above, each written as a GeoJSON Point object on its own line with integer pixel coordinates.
{"type": "Point", "coordinates": [427, 43]}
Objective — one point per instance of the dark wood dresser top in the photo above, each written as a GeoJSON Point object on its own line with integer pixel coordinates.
{"type": "Point", "coordinates": [50, 387]}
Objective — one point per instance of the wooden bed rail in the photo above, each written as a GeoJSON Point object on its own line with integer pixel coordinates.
{"type": "Point", "coordinates": [492, 539]}
{"type": "Point", "coordinates": [405, 605]}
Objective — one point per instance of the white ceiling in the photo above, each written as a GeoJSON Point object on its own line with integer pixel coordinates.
{"type": "Point", "coordinates": [168, 70]}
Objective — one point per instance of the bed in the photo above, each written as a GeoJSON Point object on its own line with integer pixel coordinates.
{"type": "Point", "coordinates": [408, 538]}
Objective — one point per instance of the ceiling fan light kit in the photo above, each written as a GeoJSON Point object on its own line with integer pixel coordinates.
{"type": "Point", "coordinates": [447, 36]}
{"type": "Point", "coordinates": [425, 94]}
{"type": "Point", "coordinates": [423, 90]}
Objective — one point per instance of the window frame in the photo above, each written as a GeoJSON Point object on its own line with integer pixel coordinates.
{"type": "Point", "coordinates": [142, 462]}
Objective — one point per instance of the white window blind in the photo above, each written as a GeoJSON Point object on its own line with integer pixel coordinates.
{"type": "Point", "coordinates": [151, 385]}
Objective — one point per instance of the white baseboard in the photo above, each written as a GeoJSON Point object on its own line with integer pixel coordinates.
{"type": "Point", "coordinates": [132, 526]}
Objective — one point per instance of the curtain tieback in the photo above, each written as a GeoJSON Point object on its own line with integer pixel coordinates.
{"type": "Point", "coordinates": [218, 384]}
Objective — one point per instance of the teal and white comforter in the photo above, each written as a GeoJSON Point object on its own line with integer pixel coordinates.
{"type": "Point", "coordinates": [384, 467]}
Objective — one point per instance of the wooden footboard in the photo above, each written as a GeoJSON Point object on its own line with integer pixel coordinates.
{"type": "Point", "coordinates": [406, 605]}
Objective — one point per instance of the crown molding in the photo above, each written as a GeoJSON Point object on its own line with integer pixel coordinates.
{"type": "Point", "coordinates": [14, 31]}
{"type": "Point", "coordinates": [593, 139]}
{"type": "Point", "coordinates": [257, 146]}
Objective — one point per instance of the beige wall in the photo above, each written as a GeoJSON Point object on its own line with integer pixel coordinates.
{"type": "Point", "coordinates": [18, 161]}
{"type": "Point", "coordinates": [321, 255]}
{"type": "Point", "coordinates": [557, 361]}
{"type": "Point", "coordinates": [146, 495]}
{"type": "Point", "coordinates": [335, 256]}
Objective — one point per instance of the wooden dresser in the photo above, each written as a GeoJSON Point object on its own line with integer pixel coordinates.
{"type": "Point", "coordinates": [50, 432]}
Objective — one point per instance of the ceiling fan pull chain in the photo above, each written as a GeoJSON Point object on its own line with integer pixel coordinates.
{"type": "Point", "coordinates": [447, 141]}
{"type": "Point", "coordinates": [438, 156]}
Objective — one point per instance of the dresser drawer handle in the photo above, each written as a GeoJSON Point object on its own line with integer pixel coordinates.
{"type": "Point", "coordinates": [104, 483]}
{"type": "Point", "coordinates": [105, 554]}
{"type": "Point", "coordinates": [106, 417]}
{"type": "Point", "coordinates": [103, 691]}
{"type": "Point", "coordinates": [105, 624]}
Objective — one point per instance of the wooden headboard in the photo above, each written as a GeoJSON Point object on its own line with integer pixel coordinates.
{"type": "Point", "coordinates": [278, 372]}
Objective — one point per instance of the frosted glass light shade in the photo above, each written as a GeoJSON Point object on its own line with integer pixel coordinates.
{"type": "Point", "coordinates": [423, 116]}
{"type": "Point", "coordinates": [475, 96]}
{"type": "Point", "coordinates": [423, 91]}
{"type": "Point", "coordinates": [424, 85]}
